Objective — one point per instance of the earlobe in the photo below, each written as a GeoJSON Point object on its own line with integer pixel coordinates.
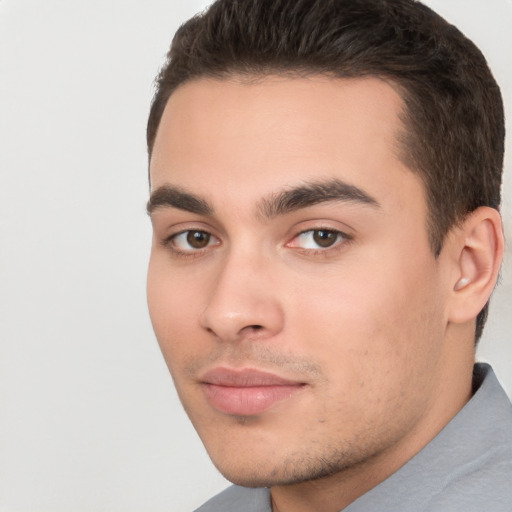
{"type": "Point", "coordinates": [479, 248]}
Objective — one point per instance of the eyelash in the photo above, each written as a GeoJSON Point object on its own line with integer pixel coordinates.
{"type": "Point", "coordinates": [341, 240]}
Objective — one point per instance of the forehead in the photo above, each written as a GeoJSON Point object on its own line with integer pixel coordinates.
{"type": "Point", "coordinates": [252, 136]}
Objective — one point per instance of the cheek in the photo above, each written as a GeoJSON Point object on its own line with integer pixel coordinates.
{"type": "Point", "coordinates": [174, 308]}
{"type": "Point", "coordinates": [373, 321]}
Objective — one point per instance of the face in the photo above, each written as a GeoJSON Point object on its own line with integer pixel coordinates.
{"type": "Point", "coordinates": [291, 285]}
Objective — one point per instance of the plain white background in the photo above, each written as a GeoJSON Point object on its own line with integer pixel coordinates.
{"type": "Point", "coordinates": [89, 420]}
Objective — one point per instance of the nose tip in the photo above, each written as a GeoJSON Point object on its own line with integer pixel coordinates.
{"type": "Point", "coordinates": [237, 326]}
{"type": "Point", "coordinates": [227, 331]}
{"type": "Point", "coordinates": [242, 308]}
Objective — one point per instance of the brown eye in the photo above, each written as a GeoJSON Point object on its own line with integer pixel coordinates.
{"type": "Point", "coordinates": [319, 239]}
{"type": "Point", "coordinates": [324, 238]}
{"type": "Point", "coordinates": [198, 239]}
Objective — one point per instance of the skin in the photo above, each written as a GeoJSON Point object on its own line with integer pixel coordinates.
{"type": "Point", "coordinates": [373, 326]}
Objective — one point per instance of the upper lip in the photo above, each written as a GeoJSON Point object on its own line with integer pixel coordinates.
{"type": "Point", "coordinates": [245, 378]}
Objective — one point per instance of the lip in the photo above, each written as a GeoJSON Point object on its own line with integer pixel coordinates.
{"type": "Point", "coordinates": [246, 392]}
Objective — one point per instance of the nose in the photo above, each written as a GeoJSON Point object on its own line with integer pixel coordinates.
{"type": "Point", "coordinates": [243, 302]}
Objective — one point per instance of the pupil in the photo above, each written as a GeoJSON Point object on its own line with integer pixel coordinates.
{"type": "Point", "coordinates": [324, 238]}
{"type": "Point", "coordinates": [198, 239]}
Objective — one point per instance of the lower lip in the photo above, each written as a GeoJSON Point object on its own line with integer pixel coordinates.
{"type": "Point", "coordinates": [248, 401]}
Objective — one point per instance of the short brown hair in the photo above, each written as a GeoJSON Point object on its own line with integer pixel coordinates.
{"type": "Point", "coordinates": [453, 123]}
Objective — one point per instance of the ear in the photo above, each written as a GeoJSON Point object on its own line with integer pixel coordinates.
{"type": "Point", "coordinates": [477, 247]}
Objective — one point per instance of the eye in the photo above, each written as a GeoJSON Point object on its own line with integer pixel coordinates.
{"type": "Point", "coordinates": [318, 239]}
{"type": "Point", "coordinates": [192, 240]}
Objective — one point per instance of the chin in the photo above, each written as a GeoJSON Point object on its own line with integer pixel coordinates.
{"type": "Point", "coordinates": [270, 473]}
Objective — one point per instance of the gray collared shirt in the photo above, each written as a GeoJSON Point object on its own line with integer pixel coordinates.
{"type": "Point", "coordinates": [467, 467]}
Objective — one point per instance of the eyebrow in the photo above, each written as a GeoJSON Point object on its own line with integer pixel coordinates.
{"type": "Point", "coordinates": [175, 197]}
{"type": "Point", "coordinates": [281, 203]}
{"type": "Point", "coordinates": [312, 193]}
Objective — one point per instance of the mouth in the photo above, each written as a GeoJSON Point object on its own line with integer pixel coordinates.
{"type": "Point", "coordinates": [246, 392]}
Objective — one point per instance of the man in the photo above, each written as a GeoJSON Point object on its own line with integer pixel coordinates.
{"type": "Point", "coordinates": [325, 184]}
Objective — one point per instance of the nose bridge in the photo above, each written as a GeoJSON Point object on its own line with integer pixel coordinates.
{"type": "Point", "coordinates": [243, 301]}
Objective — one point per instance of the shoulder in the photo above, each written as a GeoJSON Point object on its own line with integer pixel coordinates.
{"type": "Point", "coordinates": [238, 499]}
{"type": "Point", "coordinates": [487, 486]}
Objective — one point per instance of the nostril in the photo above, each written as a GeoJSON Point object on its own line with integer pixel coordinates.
{"type": "Point", "coordinates": [252, 331]}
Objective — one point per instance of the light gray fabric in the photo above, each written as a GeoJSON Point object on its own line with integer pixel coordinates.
{"type": "Point", "coordinates": [466, 468]}
{"type": "Point", "coordinates": [239, 499]}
